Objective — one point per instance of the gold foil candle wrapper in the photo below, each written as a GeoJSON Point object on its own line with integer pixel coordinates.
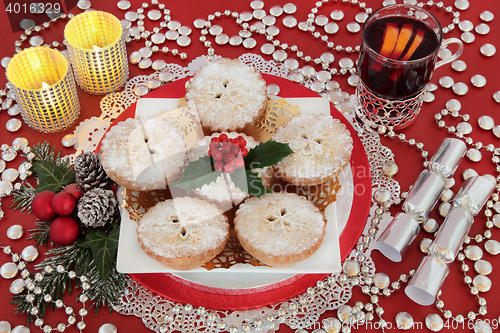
{"type": "Point", "coordinates": [473, 194]}
{"type": "Point", "coordinates": [44, 89]}
{"type": "Point", "coordinates": [428, 279]}
{"type": "Point", "coordinates": [451, 235]}
{"type": "Point", "coordinates": [397, 237]}
{"type": "Point", "coordinates": [96, 44]}
{"type": "Point", "coordinates": [448, 157]}
{"type": "Point", "coordinates": [424, 195]}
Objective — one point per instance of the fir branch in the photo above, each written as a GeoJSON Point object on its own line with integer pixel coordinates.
{"type": "Point", "coordinates": [54, 284]}
{"type": "Point", "coordinates": [23, 197]}
{"type": "Point", "coordinates": [67, 256]}
{"type": "Point", "coordinates": [108, 291]}
{"type": "Point", "coordinates": [45, 152]}
{"type": "Point", "coordinates": [41, 234]}
{"type": "Point", "coordinates": [22, 306]}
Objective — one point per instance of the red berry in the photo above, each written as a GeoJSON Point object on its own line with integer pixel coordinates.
{"type": "Point", "coordinates": [63, 203]}
{"type": "Point", "coordinates": [229, 157]}
{"type": "Point", "coordinates": [226, 147]}
{"type": "Point", "coordinates": [228, 168]}
{"type": "Point", "coordinates": [75, 189]}
{"type": "Point", "coordinates": [215, 139]}
{"type": "Point", "coordinates": [64, 230]}
{"type": "Point", "coordinates": [217, 155]}
{"type": "Point", "coordinates": [218, 166]}
{"type": "Point", "coordinates": [234, 140]}
{"type": "Point", "coordinates": [223, 137]}
{"type": "Point", "coordinates": [244, 151]}
{"type": "Point", "coordinates": [236, 150]}
{"type": "Point", "coordinates": [238, 163]}
{"type": "Point", "coordinates": [214, 145]}
{"type": "Point", "coordinates": [41, 207]}
{"type": "Point", "coordinates": [241, 141]}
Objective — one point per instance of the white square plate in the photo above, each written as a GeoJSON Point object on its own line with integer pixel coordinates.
{"type": "Point", "coordinates": [132, 259]}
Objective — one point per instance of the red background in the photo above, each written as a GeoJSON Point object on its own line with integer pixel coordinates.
{"type": "Point", "coordinates": [477, 102]}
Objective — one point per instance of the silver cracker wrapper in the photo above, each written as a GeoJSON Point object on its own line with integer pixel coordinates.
{"type": "Point", "coordinates": [424, 195]}
{"type": "Point", "coordinates": [446, 160]}
{"type": "Point", "coordinates": [473, 194]}
{"type": "Point", "coordinates": [398, 236]}
{"type": "Point", "coordinates": [428, 279]}
{"type": "Point", "coordinates": [451, 234]}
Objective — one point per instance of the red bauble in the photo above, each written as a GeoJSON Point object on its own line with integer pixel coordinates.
{"type": "Point", "coordinates": [63, 203]}
{"type": "Point", "coordinates": [41, 205]}
{"type": "Point", "coordinates": [75, 189]}
{"type": "Point", "coordinates": [64, 230]}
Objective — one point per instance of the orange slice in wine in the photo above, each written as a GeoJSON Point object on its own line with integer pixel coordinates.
{"type": "Point", "coordinates": [414, 45]}
{"type": "Point", "coordinates": [390, 39]}
{"type": "Point", "coordinates": [403, 39]}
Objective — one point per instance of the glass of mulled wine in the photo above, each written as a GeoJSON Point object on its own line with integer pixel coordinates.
{"type": "Point", "coordinates": [399, 48]}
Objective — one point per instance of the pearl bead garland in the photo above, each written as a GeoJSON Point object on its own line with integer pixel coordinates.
{"type": "Point", "coordinates": [139, 32]}
{"type": "Point", "coordinates": [31, 283]}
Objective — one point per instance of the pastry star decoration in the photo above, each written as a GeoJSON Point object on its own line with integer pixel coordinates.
{"type": "Point", "coordinates": [312, 144]}
{"type": "Point", "coordinates": [187, 225]}
{"type": "Point", "coordinates": [282, 219]}
{"type": "Point", "coordinates": [226, 91]}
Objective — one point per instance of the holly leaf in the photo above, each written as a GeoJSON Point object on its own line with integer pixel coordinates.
{"type": "Point", "coordinates": [52, 177]}
{"type": "Point", "coordinates": [240, 180]}
{"type": "Point", "coordinates": [197, 173]}
{"type": "Point", "coordinates": [266, 154]}
{"type": "Point", "coordinates": [104, 248]}
{"type": "Point", "coordinates": [255, 186]}
{"type": "Point", "coordinates": [201, 172]}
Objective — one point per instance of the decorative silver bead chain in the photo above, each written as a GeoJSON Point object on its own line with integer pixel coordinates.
{"type": "Point", "coordinates": [268, 30]}
{"type": "Point", "coordinates": [9, 176]}
{"type": "Point", "coordinates": [452, 109]}
{"type": "Point", "coordinates": [30, 282]}
{"type": "Point", "coordinates": [152, 39]}
{"type": "Point", "coordinates": [36, 40]}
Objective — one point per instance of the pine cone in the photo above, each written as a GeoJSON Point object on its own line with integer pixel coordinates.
{"type": "Point", "coordinates": [90, 173]}
{"type": "Point", "coordinates": [97, 207]}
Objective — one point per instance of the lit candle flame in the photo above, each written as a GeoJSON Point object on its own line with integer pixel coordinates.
{"type": "Point", "coordinates": [49, 102]}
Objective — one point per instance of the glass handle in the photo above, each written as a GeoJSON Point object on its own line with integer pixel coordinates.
{"type": "Point", "coordinates": [454, 56]}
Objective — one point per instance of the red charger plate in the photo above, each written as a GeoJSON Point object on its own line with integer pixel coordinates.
{"type": "Point", "coordinates": [177, 289]}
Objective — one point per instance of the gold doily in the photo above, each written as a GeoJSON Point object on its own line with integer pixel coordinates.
{"type": "Point", "coordinates": [184, 120]}
{"type": "Point", "coordinates": [277, 113]}
{"type": "Point", "coordinates": [232, 254]}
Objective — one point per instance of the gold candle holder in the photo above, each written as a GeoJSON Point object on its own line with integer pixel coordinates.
{"type": "Point", "coordinates": [96, 44]}
{"type": "Point", "coordinates": [44, 89]}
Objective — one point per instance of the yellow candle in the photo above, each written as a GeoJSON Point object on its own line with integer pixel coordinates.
{"type": "Point", "coordinates": [96, 44]}
{"type": "Point", "coordinates": [44, 89]}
